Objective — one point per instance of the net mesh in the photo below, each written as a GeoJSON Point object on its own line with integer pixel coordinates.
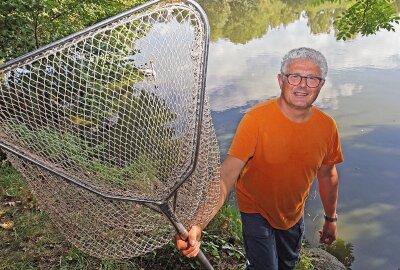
{"type": "Point", "coordinates": [116, 108]}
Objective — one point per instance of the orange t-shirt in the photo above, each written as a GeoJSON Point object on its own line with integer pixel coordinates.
{"type": "Point", "coordinates": [282, 159]}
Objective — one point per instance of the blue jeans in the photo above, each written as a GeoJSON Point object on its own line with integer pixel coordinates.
{"type": "Point", "coordinates": [268, 248]}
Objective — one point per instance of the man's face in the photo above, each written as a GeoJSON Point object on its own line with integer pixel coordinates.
{"type": "Point", "coordinates": [300, 96]}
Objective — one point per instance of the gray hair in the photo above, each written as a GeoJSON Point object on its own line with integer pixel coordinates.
{"type": "Point", "coordinates": [305, 53]}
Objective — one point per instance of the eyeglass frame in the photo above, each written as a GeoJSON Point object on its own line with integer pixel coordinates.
{"type": "Point", "coordinates": [304, 77]}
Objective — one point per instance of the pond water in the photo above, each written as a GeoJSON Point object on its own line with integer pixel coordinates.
{"type": "Point", "coordinates": [362, 93]}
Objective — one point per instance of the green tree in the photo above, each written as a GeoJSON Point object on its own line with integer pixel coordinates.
{"type": "Point", "coordinates": [321, 15]}
{"type": "Point", "coordinates": [28, 25]}
{"type": "Point", "coordinates": [367, 17]}
{"type": "Point", "coordinates": [242, 21]}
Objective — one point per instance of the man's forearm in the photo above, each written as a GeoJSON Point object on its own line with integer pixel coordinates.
{"type": "Point", "coordinates": [230, 170]}
{"type": "Point", "coordinates": [222, 198]}
{"type": "Point", "coordinates": [328, 183]}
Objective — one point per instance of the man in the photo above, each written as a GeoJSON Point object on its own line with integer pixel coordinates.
{"type": "Point", "coordinates": [280, 146]}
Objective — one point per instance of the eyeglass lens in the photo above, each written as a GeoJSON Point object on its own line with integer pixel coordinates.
{"type": "Point", "coordinates": [295, 79]}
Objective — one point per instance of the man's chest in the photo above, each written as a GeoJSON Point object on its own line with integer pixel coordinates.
{"type": "Point", "coordinates": [293, 145]}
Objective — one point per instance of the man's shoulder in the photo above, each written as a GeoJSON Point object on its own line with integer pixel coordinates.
{"type": "Point", "coordinates": [324, 117]}
{"type": "Point", "coordinates": [262, 108]}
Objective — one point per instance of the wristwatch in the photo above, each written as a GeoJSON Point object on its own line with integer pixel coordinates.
{"type": "Point", "coordinates": [330, 219]}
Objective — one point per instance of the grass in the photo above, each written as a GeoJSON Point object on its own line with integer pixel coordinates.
{"type": "Point", "coordinates": [32, 242]}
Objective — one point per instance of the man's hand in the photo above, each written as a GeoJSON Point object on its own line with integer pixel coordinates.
{"type": "Point", "coordinates": [328, 233]}
{"type": "Point", "coordinates": [191, 246]}
{"type": "Point", "coordinates": [328, 182]}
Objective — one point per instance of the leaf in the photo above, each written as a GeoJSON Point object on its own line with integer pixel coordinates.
{"type": "Point", "coordinates": [7, 225]}
{"type": "Point", "coordinates": [80, 121]}
{"type": "Point", "coordinates": [366, 17]}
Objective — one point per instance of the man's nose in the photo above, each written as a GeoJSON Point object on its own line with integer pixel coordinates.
{"type": "Point", "coordinates": [303, 82]}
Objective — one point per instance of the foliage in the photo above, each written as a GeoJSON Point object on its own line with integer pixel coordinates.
{"type": "Point", "coordinates": [76, 114]}
{"type": "Point", "coordinates": [17, 33]}
{"type": "Point", "coordinates": [33, 243]}
{"type": "Point", "coordinates": [71, 91]}
{"type": "Point", "coordinates": [31, 230]}
{"type": "Point", "coordinates": [228, 223]}
{"type": "Point", "coordinates": [366, 17]}
{"type": "Point", "coordinates": [2, 156]}
{"type": "Point", "coordinates": [242, 21]}
{"type": "Point", "coordinates": [224, 236]}
{"type": "Point", "coordinates": [342, 250]}
{"type": "Point", "coordinates": [306, 263]}
{"type": "Point", "coordinates": [28, 25]}
{"type": "Point", "coordinates": [66, 149]}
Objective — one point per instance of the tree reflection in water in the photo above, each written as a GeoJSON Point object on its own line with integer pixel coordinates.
{"type": "Point", "coordinates": [242, 21]}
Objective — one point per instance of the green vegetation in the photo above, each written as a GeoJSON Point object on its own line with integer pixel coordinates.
{"type": "Point", "coordinates": [65, 149]}
{"type": "Point", "coordinates": [56, 146]}
{"type": "Point", "coordinates": [306, 262]}
{"type": "Point", "coordinates": [224, 233]}
{"type": "Point", "coordinates": [342, 250]}
{"type": "Point", "coordinates": [367, 17]}
{"type": "Point", "coordinates": [90, 119]}
{"type": "Point", "coordinates": [28, 25]}
{"type": "Point", "coordinates": [242, 21]}
{"type": "Point", "coordinates": [87, 117]}
{"type": "Point", "coordinates": [30, 241]}
{"type": "Point", "coordinates": [80, 107]}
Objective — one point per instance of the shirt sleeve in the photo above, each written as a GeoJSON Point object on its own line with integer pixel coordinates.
{"type": "Point", "coordinates": [334, 154]}
{"type": "Point", "coordinates": [245, 140]}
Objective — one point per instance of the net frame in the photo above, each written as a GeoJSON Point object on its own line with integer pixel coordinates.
{"type": "Point", "coordinates": [167, 204]}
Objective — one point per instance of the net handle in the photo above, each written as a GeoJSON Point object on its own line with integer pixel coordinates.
{"type": "Point", "coordinates": [204, 261]}
{"type": "Point", "coordinates": [165, 207]}
{"type": "Point", "coordinates": [180, 229]}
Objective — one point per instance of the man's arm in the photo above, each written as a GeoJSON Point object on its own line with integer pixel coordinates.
{"type": "Point", "coordinates": [230, 170]}
{"type": "Point", "coordinates": [328, 182]}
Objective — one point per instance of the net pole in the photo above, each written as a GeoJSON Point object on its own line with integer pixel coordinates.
{"type": "Point", "coordinates": [62, 92]}
{"type": "Point", "coordinates": [169, 213]}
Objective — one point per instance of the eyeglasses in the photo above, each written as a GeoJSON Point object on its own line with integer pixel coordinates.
{"type": "Point", "coordinates": [311, 81]}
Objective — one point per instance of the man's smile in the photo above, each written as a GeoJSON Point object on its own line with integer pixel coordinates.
{"type": "Point", "coordinates": [301, 93]}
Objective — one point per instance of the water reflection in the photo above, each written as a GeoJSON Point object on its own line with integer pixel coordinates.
{"type": "Point", "coordinates": [239, 74]}
{"type": "Point", "coordinates": [361, 93]}
{"type": "Point", "coordinates": [243, 21]}
{"type": "Point", "coordinates": [368, 207]}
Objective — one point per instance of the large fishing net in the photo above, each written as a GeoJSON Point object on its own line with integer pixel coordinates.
{"type": "Point", "coordinates": [111, 128]}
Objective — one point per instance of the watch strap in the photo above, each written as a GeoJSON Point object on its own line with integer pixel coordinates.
{"type": "Point", "coordinates": [330, 219]}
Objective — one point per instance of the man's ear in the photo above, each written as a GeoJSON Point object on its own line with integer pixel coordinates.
{"type": "Point", "coordinates": [280, 80]}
